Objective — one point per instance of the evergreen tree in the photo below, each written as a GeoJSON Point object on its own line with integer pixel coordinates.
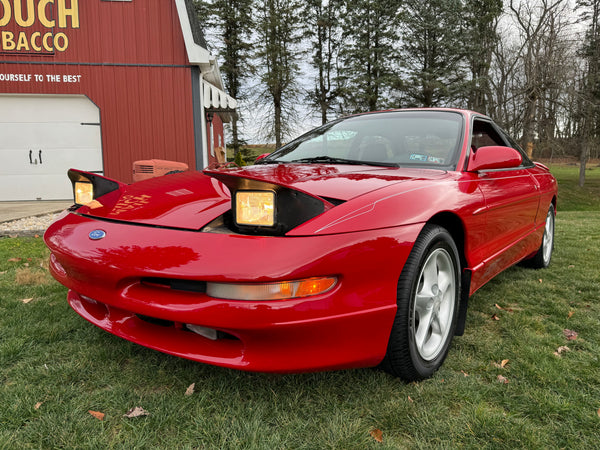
{"type": "Point", "coordinates": [368, 54]}
{"type": "Point", "coordinates": [277, 47]}
{"type": "Point", "coordinates": [433, 51]}
{"type": "Point", "coordinates": [233, 21]}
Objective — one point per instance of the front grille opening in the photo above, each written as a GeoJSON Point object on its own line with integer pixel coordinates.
{"type": "Point", "coordinates": [176, 284]}
{"type": "Point", "coordinates": [218, 334]}
{"type": "Point", "coordinates": [155, 321]}
{"type": "Point", "coordinates": [211, 334]}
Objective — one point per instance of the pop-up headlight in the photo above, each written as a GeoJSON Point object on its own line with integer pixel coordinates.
{"type": "Point", "coordinates": [264, 208]}
{"type": "Point", "coordinates": [88, 186]}
{"type": "Point", "coordinates": [84, 192]}
{"type": "Point", "coordinates": [255, 208]}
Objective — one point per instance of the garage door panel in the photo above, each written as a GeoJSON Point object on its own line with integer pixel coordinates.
{"type": "Point", "coordinates": [47, 187]}
{"type": "Point", "coordinates": [47, 135]}
{"type": "Point", "coordinates": [42, 137]}
{"type": "Point", "coordinates": [47, 108]}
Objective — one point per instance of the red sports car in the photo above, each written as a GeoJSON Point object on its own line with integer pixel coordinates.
{"type": "Point", "coordinates": [358, 244]}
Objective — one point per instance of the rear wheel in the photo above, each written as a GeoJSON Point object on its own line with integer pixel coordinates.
{"type": "Point", "coordinates": [542, 258]}
{"type": "Point", "coordinates": [428, 299]}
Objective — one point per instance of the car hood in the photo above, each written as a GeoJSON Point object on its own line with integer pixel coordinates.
{"type": "Point", "coordinates": [190, 200]}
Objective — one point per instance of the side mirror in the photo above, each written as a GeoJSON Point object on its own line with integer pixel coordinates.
{"type": "Point", "coordinates": [494, 157]}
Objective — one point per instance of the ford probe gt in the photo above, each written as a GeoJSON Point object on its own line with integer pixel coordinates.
{"type": "Point", "coordinates": [357, 244]}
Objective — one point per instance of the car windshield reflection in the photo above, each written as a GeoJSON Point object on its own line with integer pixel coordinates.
{"type": "Point", "coordinates": [395, 139]}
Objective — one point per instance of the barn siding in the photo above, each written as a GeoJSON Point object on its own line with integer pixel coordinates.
{"type": "Point", "coordinates": [132, 63]}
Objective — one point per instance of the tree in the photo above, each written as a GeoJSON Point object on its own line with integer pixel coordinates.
{"type": "Point", "coordinates": [233, 21]}
{"type": "Point", "coordinates": [433, 51]}
{"type": "Point", "coordinates": [278, 33]}
{"type": "Point", "coordinates": [481, 38]}
{"type": "Point", "coordinates": [323, 32]}
{"type": "Point", "coordinates": [368, 54]}
{"type": "Point", "coordinates": [591, 92]}
{"type": "Point", "coordinates": [534, 22]}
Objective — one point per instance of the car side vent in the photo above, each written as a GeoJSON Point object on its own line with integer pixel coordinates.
{"type": "Point", "coordinates": [176, 284]}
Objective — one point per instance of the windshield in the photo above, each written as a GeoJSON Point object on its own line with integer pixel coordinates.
{"type": "Point", "coordinates": [396, 138]}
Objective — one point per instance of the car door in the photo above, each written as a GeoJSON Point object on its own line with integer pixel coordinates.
{"type": "Point", "coordinates": [511, 204]}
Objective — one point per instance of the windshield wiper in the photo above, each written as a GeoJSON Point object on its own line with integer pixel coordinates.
{"type": "Point", "coordinates": [332, 160]}
{"type": "Point", "coordinates": [270, 161]}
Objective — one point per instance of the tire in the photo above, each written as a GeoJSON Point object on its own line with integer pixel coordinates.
{"type": "Point", "coordinates": [542, 258]}
{"type": "Point", "coordinates": [427, 313]}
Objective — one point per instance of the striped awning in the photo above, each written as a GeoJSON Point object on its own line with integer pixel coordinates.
{"type": "Point", "coordinates": [216, 100]}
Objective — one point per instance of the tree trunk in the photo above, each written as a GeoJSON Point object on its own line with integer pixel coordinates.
{"type": "Point", "coordinates": [582, 164]}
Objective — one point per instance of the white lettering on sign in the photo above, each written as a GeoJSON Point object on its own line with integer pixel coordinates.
{"type": "Point", "coordinates": [36, 77]}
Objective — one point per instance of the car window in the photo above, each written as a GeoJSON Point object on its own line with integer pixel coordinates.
{"type": "Point", "coordinates": [512, 143]}
{"type": "Point", "coordinates": [484, 134]}
{"type": "Point", "coordinates": [403, 138]}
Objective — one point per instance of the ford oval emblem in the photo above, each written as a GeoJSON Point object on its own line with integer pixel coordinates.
{"type": "Point", "coordinates": [97, 234]}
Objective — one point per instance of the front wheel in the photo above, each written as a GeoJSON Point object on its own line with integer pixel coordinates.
{"type": "Point", "coordinates": [428, 298]}
{"type": "Point", "coordinates": [542, 258]}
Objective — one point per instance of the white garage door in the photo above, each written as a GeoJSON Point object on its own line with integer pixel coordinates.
{"type": "Point", "coordinates": [41, 137]}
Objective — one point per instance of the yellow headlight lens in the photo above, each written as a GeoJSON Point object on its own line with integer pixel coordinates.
{"type": "Point", "coordinates": [84, 192]}
{"type": "Point", "coordinates": [255, 208]}
{"type": "Point", "coordinates": [271, 291]}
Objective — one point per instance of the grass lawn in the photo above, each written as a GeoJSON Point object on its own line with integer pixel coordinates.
{"type": "Point", "coordinates": [55, 368]}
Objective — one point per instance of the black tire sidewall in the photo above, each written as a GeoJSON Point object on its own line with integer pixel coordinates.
{"type": "Point", "coordinates": [403, 358]}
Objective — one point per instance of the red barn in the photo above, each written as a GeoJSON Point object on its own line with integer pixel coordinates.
{"type": "Point", "coordinates": [99, 84]}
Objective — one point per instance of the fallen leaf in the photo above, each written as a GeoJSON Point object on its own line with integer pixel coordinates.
{"type": "Point", "coordinates": [464, 373]}
{"type": "Point", "coordinates": [540, 280]}
{"type": "Point", "coordinates": [377, 434]}
{"type": "Point", "coordinates": [499, 307]}
{"type": "Point", "coordinates": [136, 412]}
{"type": "Point", "coordinates": [570, 314]}
{"type": "Point", "coordinates": [598, 412]}
{"type": "Point", "coordinates": [26, 264]}
{"type": "Point", "coordinates": [15, 259]}
{"type": "Point", "coordinates": [27, 300]}
{"type": "Point", "coordinates": [98, 415]}
{"type": "Point", "coordinates": [190, 390]}
{"type": "Point", "coordinates": [570, 334]}
{"type": "Point", "coordinates": [38, 404]}
{"type": "Point", "coordinates": [571, 266]}
{"type": "Point", "coordinates": [501, 365]}
{"type": "Point", "coordinates": [561, 349]}
{"type": "Point", "coordinates": [36, 236]}
{"type": "Point", "coordinates": [410, 399]}
{"type": "Point", "coordinates": [495, 317]}
{"type": "Point", "coordinates": [502, 379]}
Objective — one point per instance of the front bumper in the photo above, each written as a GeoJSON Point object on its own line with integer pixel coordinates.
{"type": "Point", "coordinates": [348, 326]}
